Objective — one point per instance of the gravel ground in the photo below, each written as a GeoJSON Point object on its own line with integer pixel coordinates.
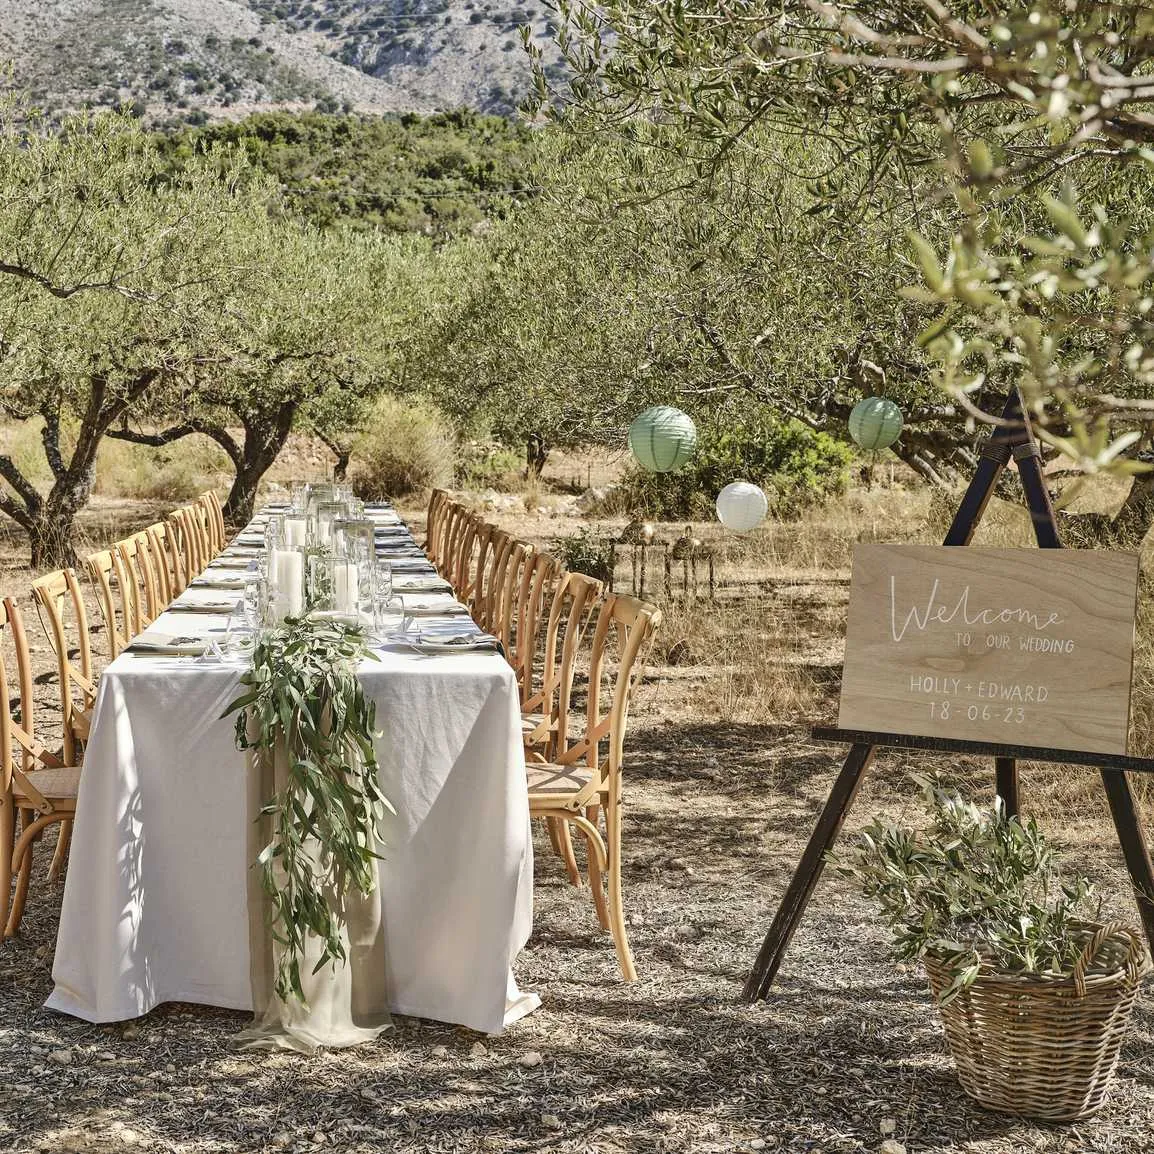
{"type": "Point", "coordinates": [847, 1047]}
{"type": "Point", "coordinates": [847, 1054]}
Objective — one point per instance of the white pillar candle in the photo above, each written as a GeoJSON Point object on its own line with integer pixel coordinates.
{"type": "Point", "coordinates": [287, 576]}
{"type": "Point", "coordinates": [294, 532]}
{"type": "Point", "coordinates": [345, 586]}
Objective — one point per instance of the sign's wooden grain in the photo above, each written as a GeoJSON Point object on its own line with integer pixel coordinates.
{"type": "Point", "coordinates": [1019, 646]}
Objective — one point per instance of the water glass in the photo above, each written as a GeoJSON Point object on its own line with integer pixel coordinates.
{"type": "Point", "coordinates": [255, 599]}
{"type": "Point", "coordinates": [384, 580]}
{"type": "Point", "coordinates": [388, 615]}
{"type": "Point", "coordinates": [300, 496]}
{"type": "Point", "coordinates": [241, 634]}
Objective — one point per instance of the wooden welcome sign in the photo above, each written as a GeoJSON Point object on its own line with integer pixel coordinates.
{"type": "Point", "coordinates": [1003, 645]}
{"type": "Point", "coordinates": [1004, 653]}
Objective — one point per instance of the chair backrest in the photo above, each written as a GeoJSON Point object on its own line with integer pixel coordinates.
{"type": "Point", "coordinates": [460, 539]}
{"type": "Point", "coordinates": [57, 596]}
{"type": "Point", "coordinates": [20, 733]}
{"type": "Point", "coordinates": [435, 520]}
{"type": "Point", "coordinates": [539, 577]}
{"type": "Point", "coordinates": [167, 573]}
{"type": "Point", "coordinates": [629, 626]}
{"type": "Point", "coordinates": [106, 570]}
{"type": "Point", "coordinates": [136, 565]}
{"type": "Point", "coordinates": [575, 598]}
{"type": "Point", "coordinates": [204, 526]}
{"type": "Point", "coordinates": [188, 532]}
{"type": "Point", "coordinates": [503, 600]}
{"type": "Point", "coordinates": [490, 544]}
{"type": "Point", "coordinates": [214, 515]}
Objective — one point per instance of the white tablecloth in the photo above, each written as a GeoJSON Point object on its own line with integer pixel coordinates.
{"type": "Point", "coordinates": [155, 902]}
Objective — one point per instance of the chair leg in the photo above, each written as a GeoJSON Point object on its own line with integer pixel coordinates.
{"type": "Point", "coordinates": [616, 904]}
{"type": "Point", "coordinates": [60, 856]}
{"type": "Point", "coordinates": [554, 836]}
{"type": "Point", "coordinates": [596, 877]}
{"type": "Point", "coordinates": [22, 866]}
{"type": "Point", "coordinates": [567, 854]}
{"type": "Point", "coordinates": [7, 843]}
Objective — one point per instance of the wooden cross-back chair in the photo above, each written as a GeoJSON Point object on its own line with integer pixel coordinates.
{"type": "Point", "coordinates": [188, 532]}
{"type": "Point", "coordinates": [57, 597]}
{"type": "Point", "coordinates": [165, 562]}
{"type": "Point", "coordinates": [490, 580]}
{"type": "Point", "coordinates": [460, 544]}
{"type": "Point", "coordinates": [582, 785]}
{"type": "Point", "coordinates": [539, 578]}
{"type": "Point", "coordinates": [214, 521]}
{"type": "Point", "coordinates": [116, 595]}
{"type": "Point", "coordinates": [545, 711]}
{"type": "Point", "coordinates": [504, 604]}
{"type": "Point", "coordinates": [440, 511]}
{"type": "Point", "coordinates": [38, 787]}
{"type": "Point", "coordinates": [204, 524]}
{"type": "Point", "coordinates": [136, 563]}
{"type": "Point", "coordinates": [490, 543]}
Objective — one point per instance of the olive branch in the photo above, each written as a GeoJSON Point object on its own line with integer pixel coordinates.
{"type": "Point", "coordinates": [302, 697]}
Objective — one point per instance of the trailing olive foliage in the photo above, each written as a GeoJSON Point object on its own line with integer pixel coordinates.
{"type": "Point", "coordinates": [302, 700]}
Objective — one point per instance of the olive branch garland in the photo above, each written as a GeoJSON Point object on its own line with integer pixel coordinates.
{"type": "Point", "coordinates": [302, 694]}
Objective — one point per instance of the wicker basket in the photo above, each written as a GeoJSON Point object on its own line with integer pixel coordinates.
{"type": "Point", "coordinates": [1045, 1047]}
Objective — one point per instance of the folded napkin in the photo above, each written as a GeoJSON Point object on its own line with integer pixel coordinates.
{"type": "Point", "coordinates": [417, 583]}
{"type": "Point", "coordinates": [446, 640]}
{"type": "Point", "coordinates": [224, 608]}
{"type": "Point", "coordinates": [451, 610]}
{"type": "Point", "coordinates": [409, 565]}
{"type": "Point", "coordinates": [167, 644]}
{"type": "Point", "coordinates": [225, 561]}
{"type": "Point", "coordinates": [218, 581]}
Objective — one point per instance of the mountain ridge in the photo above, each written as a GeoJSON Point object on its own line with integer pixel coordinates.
{"type": "Point", "coordinates": [197, 60]}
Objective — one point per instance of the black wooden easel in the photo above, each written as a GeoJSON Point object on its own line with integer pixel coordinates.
{"type": "Point", "coordinates": [1013, 438]}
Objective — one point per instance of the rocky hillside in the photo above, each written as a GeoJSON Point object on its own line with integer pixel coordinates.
{"type": "Point", "coordinates": [207, 59]}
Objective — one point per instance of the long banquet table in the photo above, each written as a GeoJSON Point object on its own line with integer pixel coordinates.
{"type": "Point", "coordinates": [155, 903]}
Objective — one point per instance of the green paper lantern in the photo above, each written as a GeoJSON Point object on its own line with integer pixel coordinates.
{"type": "Point", "coordinates": [662, 439]}
{"type": "Point", "coordinates": [875, 423]}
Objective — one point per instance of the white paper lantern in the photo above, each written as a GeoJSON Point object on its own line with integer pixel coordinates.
{"type": "Point", "coordinates": [741, 506]}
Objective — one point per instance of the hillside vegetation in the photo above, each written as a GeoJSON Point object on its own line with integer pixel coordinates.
{"type": "Point", "coordinates": [192, 60]}
{"type": "Point", "coordinates": [437, 175]}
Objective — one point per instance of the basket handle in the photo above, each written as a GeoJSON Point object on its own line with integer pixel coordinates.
{"type": "Point", "coordinates": [1135, 953]}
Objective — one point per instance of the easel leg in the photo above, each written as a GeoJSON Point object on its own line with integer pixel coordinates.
{"type": "Point", "coordinates": [1006, 776]}
{"type": "Point", "coordinates": [1133, 843]}
{"type": "Point", "coordinates": [808, 872]}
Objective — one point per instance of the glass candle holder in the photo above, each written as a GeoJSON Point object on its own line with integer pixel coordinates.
{"type": "Point", "coordinates": [340, 589]}
{"type": "Point", "coordinates": [286, 584]}
{"type": "Point", "coordinates": [327, 512]}
{"type": "Point", "coordinates": [295, 530]}
{"type": "Point", "coordinates": [319, 493]}
{"type": "Point", "coordinates": [355, 539]}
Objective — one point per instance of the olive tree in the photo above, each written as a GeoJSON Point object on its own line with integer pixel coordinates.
{"type": "Point", "coordinates": [113, 280]}
{"type": "Point", "coordinates": [303, 350]}
{"type": "Point", "coordinates": [982, 120]}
